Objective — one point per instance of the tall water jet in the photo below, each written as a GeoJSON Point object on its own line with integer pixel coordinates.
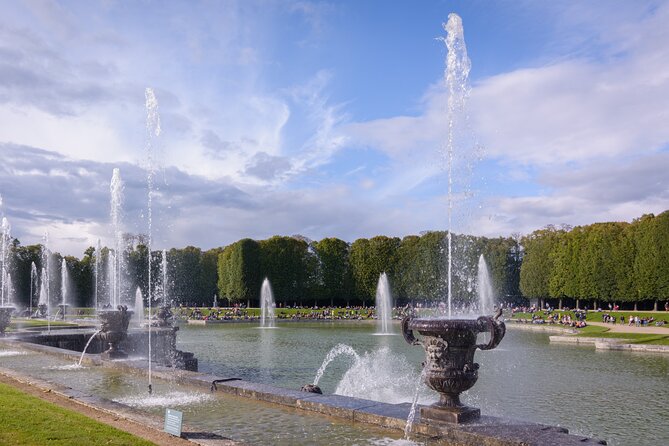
{"type": "Point", "coordinates": [267, 305]}
{"type": "Point", "coordinates": [4, 260]}
{"type": "Point", "coordinates": [139, 308]}
{"type": "Point", "coordinates": [97, 276]}
{"type": "Point", "coordinates": [456, 74]}
{"type": "Point", "coordinates": [46, 277]}
{"type": "Point", "coordinates": [33, 286]}
{"type": "Point", "coordinates": [152, 131]}
{"type": "Point", "coordinates": [484, 288]}
{"type": "Point", "coordinates": [64, 287]}
{"type": "Point", "coordinates": [116, 261]}
{"type": "Point", "coordinates": [384, 305]}
{"type": "Point", "coordinates": [165, 283]}
{"type": "Point", "coordinates": [43, 302]}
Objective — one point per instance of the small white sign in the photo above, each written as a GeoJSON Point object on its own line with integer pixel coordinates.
{"type": "Point", "coordinates": [173, 421]}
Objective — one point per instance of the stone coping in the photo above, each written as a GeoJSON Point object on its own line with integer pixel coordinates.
{"type": "Point", "coordinates": [619, 344]}
{"type": "Point", "coordinates": [486, 431]}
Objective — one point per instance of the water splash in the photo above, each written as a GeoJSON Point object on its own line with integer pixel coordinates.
{"type": "Point", "coordinates": [169, 399]}
{"type": "Point", "coordinates": [8, 353]}
{"type": "Point", "coordinates": [97, 275]}
{"type": "Point", "coordinates": [165, 283]}
{"type": "Point", "coordinates": [381, 375]}
{"type": "Point", "coordinates": [338, 350]}
{"type": "Point", "coordinates": [384, 305]}
{"type": "Point", "coordinates": [83, 352]}
{"type": "Point", "coordinates": [414, 405]}
{"type": "Point", "coordinates": [267, 305]}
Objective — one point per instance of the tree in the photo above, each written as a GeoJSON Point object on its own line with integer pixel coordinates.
{"type": "Point", "coordinates": [239, 275]}
{"type": "Point", "coordinates": [335, 270]}
{"type": "Point", "coordinates": [538, 261]}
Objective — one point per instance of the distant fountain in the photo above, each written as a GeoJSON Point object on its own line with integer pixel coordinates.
{"type": "Point", "coordinates": [5, 317]}
{"type": "Point", "coordinates": [4, 260]}
{"type": "Point", "coordinates": [215, 301]}
{"type": "Point", "coordinates": [43, 302]}
{"type": "Point", "coordinates": [33, 286]}
{"type": "Point", "coordinates": [64, 285]}
{"type": "Point", "coordinates": [115, 261]}
{"type": "Point", "coordinates": [384, 305]}
{"type": "Point", "coordinates": [139, 308]}
{"type": "Point", "coordinates": [485, 290]}
{"type": "Point", "coordinates": [267, 305]}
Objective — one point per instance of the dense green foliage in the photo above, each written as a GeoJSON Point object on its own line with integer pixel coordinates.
{"type": "Point", "coordinates": [603, 262]}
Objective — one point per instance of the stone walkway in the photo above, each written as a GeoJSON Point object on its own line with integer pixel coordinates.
{"type": "Point", "coordinates": [624, 328]}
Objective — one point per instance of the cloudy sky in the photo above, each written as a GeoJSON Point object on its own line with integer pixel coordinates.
{"type": "Point", "coordinates": [328, 118]}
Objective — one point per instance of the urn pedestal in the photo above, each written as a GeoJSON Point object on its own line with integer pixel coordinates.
{"type": "Point", "coordinates": [449, 367]}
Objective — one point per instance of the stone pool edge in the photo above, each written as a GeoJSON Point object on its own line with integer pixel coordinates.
{"type": "Point", "coordinates": [487, 431]}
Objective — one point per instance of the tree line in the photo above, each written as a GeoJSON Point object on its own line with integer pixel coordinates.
{"type": "Point", "coordinates": [603, 262]}
{"type": "Point", "coordinates": [600, 263]}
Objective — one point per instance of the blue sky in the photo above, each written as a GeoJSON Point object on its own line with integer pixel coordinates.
{"type": "Point", "coordinates": [328, 118]}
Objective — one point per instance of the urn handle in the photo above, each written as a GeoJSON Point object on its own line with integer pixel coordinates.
{"type": "Point", "coordinates": [407, 332]}
{"type": "Point", "coordinates": [496, 327]}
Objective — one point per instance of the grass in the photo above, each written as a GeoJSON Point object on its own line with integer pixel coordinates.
{"type": "Point", "coordinates": [285, 312]}
{"type": "Point", "coordinates": [596, 316]}
{"type": "Point", "coordinates": [27, 420]}
{"type": "Point", "coordinates": [30, 323]}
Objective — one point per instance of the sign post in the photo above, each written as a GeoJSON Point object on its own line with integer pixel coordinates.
{"type": "Point", "coordinates": [173, 421]}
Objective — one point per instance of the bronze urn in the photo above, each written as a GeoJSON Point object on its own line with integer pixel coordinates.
{"type": "Point", "coordinates": [449, 367]}
{"type": "Point", "coordinates": [113, 330]}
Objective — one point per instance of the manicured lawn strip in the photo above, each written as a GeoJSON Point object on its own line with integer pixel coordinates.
{"type": "Point", "coordinates": [595, 316]}
{"type": "Point", "coordinates": [27, 420]}
{"type": "Point", "coordinates": [286, 312]}
{"type": "Point", "coordinates": [31, 323]}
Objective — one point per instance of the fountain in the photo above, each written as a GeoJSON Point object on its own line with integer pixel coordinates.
{"type": "Point", "coordinates": [266, 305]}
{"type": "Point", "coordinates": [115, 261]}
{"type": "Point", "coordinates": [62, 307]}
{"type": "Point", "coordinates": [484, 286]}
{"type": "Point", "coordinates": [114, 329]}
{"type": "Point", "coordinates": [5, 316]}
{"type": "Point", "coordinates": [43, 302]}
{"type": "Point", "coordinates": [33, 283]}
{"type": "Point", "coordinates": [450, 368]}
{"type": "Point", "coordinates": [139, 308]}
{"type": "Point", "coordinates": [4, 257]}
{"type": "Point", "coordinates": [384, 305]}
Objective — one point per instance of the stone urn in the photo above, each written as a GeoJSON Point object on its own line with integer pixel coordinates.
{"type": "Point", "coordinates": [113, 330]}
{"type": "Point", "coordinates": [42, 310]}
{"type": "Point", "coordinates": [164, 317]}
{"type": "Point", "coordinates": [5, 316]}
{"type": "Point", "coordinates": [449, 367]}
{"type": "Point", "coordinates": [62, 311]}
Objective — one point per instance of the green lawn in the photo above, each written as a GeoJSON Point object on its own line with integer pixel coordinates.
{"type": "Point", "coordinates": [594, 316]}
{"type": "Point", "coordinates": [27, 420]}
{"type": "Point", "coordinates": [31, 323]}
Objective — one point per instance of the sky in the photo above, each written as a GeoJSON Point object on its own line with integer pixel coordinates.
{"type": "Point", "coordinates": [328, 118]}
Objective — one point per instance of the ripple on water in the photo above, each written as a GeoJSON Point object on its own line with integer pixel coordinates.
{"type": "Point", "coordinates": [165, 400]}
{"type": "Point", "coordinates": [7, 353]}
